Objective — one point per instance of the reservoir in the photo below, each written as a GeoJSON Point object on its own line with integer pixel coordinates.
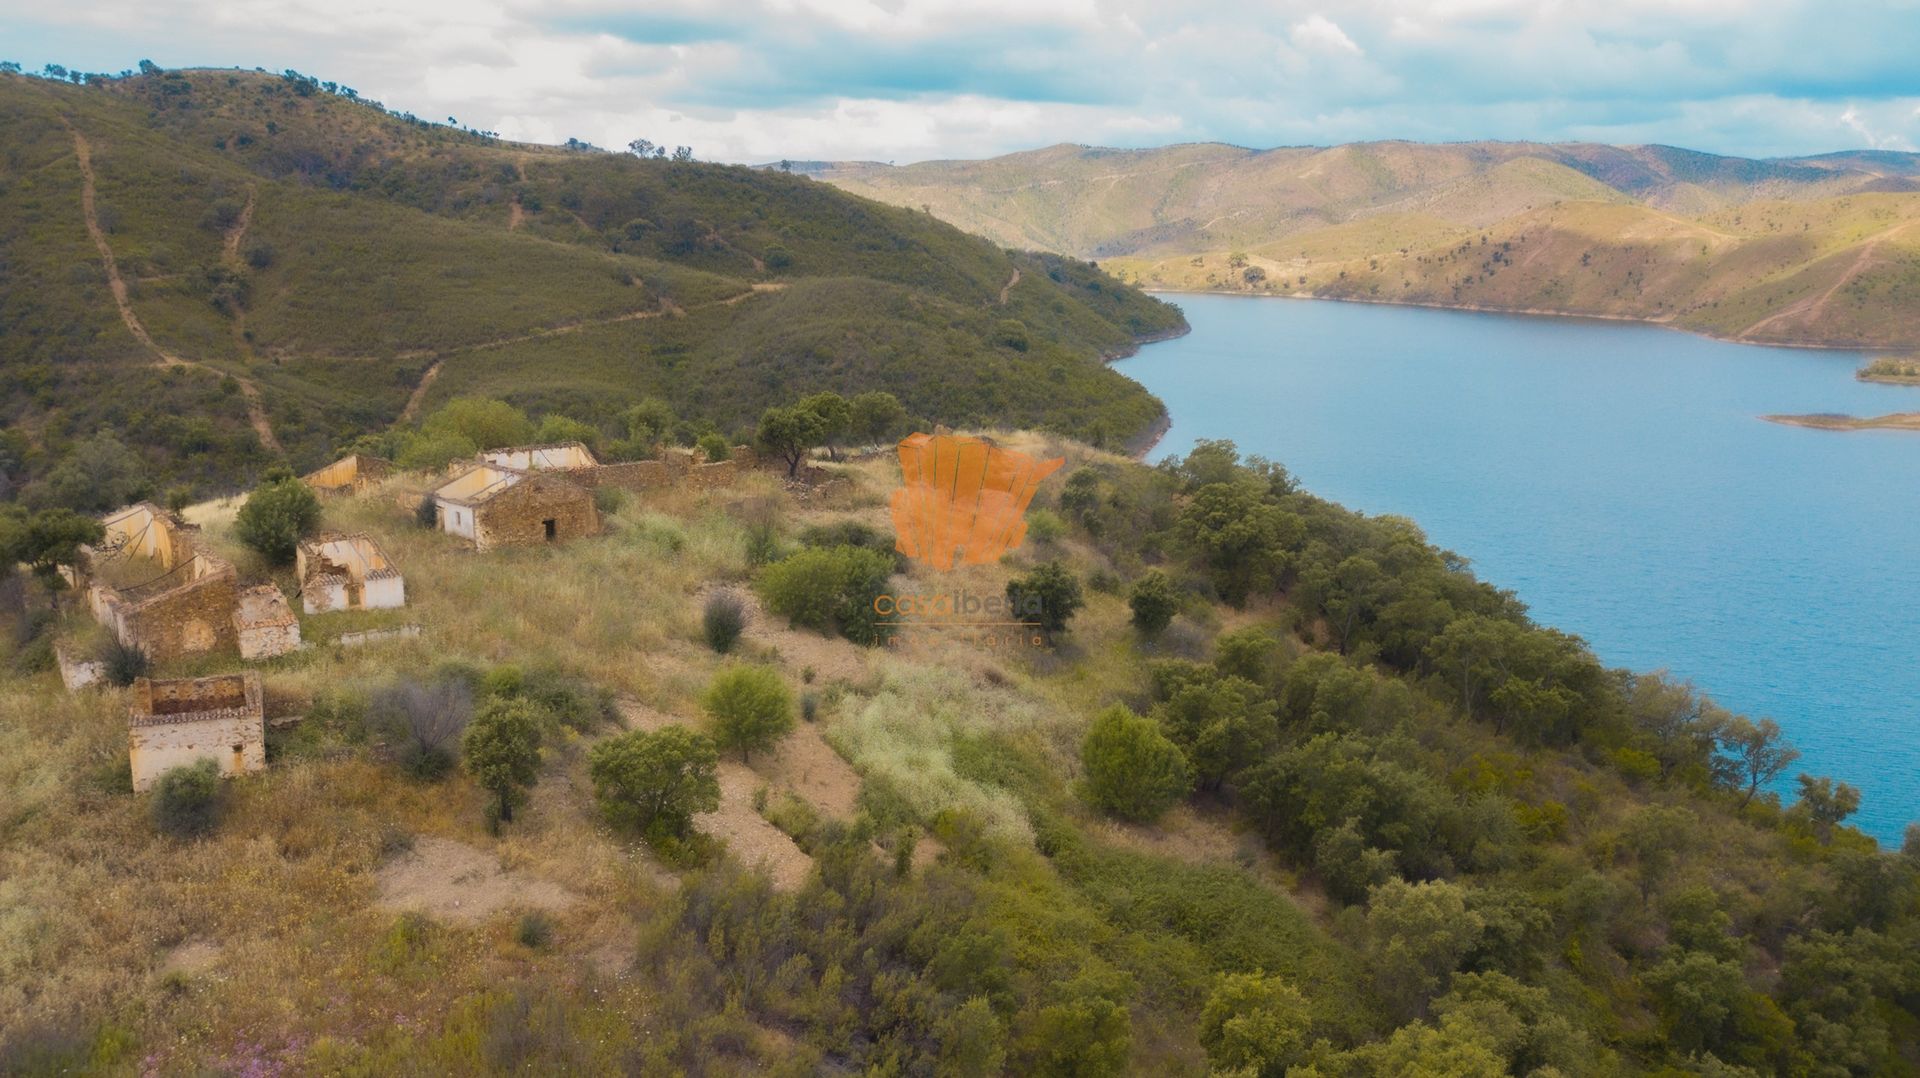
{"type": "Point", "coordinates": [1616, 477]}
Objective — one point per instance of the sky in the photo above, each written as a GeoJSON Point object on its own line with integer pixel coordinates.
{"type": "Point", "coordinates": [910, 80]}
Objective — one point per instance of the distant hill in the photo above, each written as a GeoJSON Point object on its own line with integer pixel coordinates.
{"type": "Point", "coordinates": [1816, 250]}
{"type": "Point", "coordinates": [218, 265]}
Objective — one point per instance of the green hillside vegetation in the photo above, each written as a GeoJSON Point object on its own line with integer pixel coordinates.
{"type": "Point", "coordinates": [307, 268]}
{"type": "Point", "coordinates": [1811, 251]}
{"type": "Point", "coordinates": [1381, 822]}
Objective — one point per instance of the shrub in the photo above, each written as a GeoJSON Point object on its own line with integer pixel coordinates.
{"type": "Point", "coordinates": [123, 662]}
{"type": "Point", "coordinates": [1048, 595]}
{"type": "Point", "coordinates": [1011, 333]}
{"type": "Point", "coordinates": [1045, 526]}
{"type": "Point", "coordinates": [723, 619]}
{"type": "Point", "coordinates": [750, 708]}
{"type": "Point", "coordinates": [763, 542]}
{"type": "Point", "coordinates": [655, 782]}
{"type": "Point", "coordinates": [429, 718]}
{"type": "Point", "coordinates": [609, 500]}
{"type": "Point", "coordinates": [1154, 602]}
{"type": "Point", "coordinates": [1133, 770]}
{"type": "Point", "coordinates": [278, 514]}
{"type": "Point", "coordinates": [1255, 1024]}
{"type": "Point", "coordinates": [828, 589]}
{"type": "Point", "coordinates": [715, 447]}
{"type": "Point", "coordinates": [502, 747]}
{"type": "Point", "coordinates": [187, 802]}
{"type": "Point", "coordinates": [486, 423]}
{"type": "Point", "coordinates": [534, 931]}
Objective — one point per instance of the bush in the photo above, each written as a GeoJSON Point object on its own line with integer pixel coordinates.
{"type": "Point", "coordinates": [723, 620]}
{"type": "Point", "coordinates": [279, 513]}
{"type": "Point", "coordinates": [534, 931]}
{"type": "Point", "coordinates": [123, 662]}
{"type": "Point", "coordinates": [715, 447]}
{"type": "Point", "coordinates": [1049, 596]}
{"type": "Point", "coordinates": [655, 782]}
{"type": "Point", "coordinates": [750, 708]}
{"type": "Point", "coordinates": [828, 589]}
{"type": "Point", "coordinates": [1154, 602]}
{"type": "Point", "coordinates": [187, 802]}
{"type": "Point", "coordinates": [1045, 526]}
{"type": "Point", "coordinates": [429, 718]}
{"type": "Point", "coordinates": [1133, 770]}
{"type": "Point", "coordinates": [609, 500]}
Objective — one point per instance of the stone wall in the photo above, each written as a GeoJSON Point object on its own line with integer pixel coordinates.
{"type": "Point", "coordinates": [193, 619]}
{"type": "Point", "coordinates": [631, 475]}
{"type": "Point", "coordinates": [721, 473]}
{"type": "Point", "coordinates": [518, 515]}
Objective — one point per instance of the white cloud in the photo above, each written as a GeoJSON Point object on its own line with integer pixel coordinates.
{"type": "Point", "coordinates": [904, 79]}
{"type": "Point", "coordinates": [1317, 33]}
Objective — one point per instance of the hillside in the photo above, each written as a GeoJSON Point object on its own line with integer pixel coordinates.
{"type": "Point", "coordinates": [221, 266]}
{"type": "Point", "coordinates": [1821, 250]}
{"type": "Point", "coordinates": [1341, 808]}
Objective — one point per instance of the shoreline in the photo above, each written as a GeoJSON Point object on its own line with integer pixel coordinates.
{"type": "Point", "coordinates": [1835, 421]}
{"type": "Point", "coordinates": [1531, 312]}
{"type": "Point", "coordinates": [1142, 443]}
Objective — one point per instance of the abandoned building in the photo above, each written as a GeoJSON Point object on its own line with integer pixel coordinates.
{"type": "Point", "coordinates": [263, 623]}
{"type": "Point", "coordinates": [347, 572]}
{"type": "Point", "coordinates": [494, 506]}
{"type": "Point", "coordinates": [150, 583]}
{"type": "Point", "coordinates": [553, 457]}
{"type": "Point", "coordinates": [349, 475]}
{"type": "Point", "coordinates": [175, 723]}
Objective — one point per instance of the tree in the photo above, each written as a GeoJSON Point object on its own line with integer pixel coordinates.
{"type": "Point", "coordinates": [187, 801]}
{"type": "Point", "coordinates": [1153, 601]}
{"type": "Point", "coordinates": [98, 474]}
{"type": "Point", "coordinates": [1253, 1024]}
{"type": "Point", "coordinates": [1825, 803]}
{"type": "Point", "coordinates": [1244, 541]}
{"type": "Point", "coordinates": [715, 447]}
{"type": "Point", "coordinates": [1751, 754]}
{"type": "Point", "coordinates": [876, 416]}
{"type": "Point", "coordinates": [1656, 835]}
{"type": "Point", "coordinates": [658, 780]}
{"type": "Point", "coordinates": [683, 154]}
{"type": "Point", "coordinates": [425, 451]}
{"type": "Point", "coordinates": [1417, 933]}
{"type": "Point", "coordinates": [836, 418]}
{"type": "Point", "coordinates": [279, 513]}
{"type": "Point", "coordinates": [640, 147]}
{"type": "Point", "coordinates": [790, 433]}
{"type": "Point", "coordinates": [1133, 771]}
{"type": "Point", "coordinates": [750, 708]}
{"type": "Point", "coordinates": [555, 427]}
{"type": "Point", "coordinates": [1088, 1036]}
{"type": "Point", "coordinates": [487, 423]}
{"type": "Point", "coordinates": [1221, 723]}
{"type": "Point", "coordinates": [1048, 596]}
{"type": "Point", "coordinates": [502, 747]}
{"type": "Point", "coordinates": [45, 540]}
{"type": "Point", "coordinates": [650, 420]}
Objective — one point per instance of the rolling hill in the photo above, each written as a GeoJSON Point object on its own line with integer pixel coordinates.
{"type": "Point", "coordinates": [222, 267]}
{"type": "Point", "coordinates": [1821, 250]}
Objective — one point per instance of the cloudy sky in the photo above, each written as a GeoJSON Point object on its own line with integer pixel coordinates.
{"type": "Point", "coordinates": [907, 80]}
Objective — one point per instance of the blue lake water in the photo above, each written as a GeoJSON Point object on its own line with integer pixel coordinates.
{"type": "Point", "coordinates": [1615, 476]}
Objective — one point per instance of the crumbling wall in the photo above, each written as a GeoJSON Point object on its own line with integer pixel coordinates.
{"type": "Point", "coordinates": [264, 625]}
{"type": "Point", "coordinates": [349, 474]}
{"type": "Point", "coordinates": [193, 619]}
{"type": "Point", "coordinates": [721, 473]}
{"type": "Point", "coordinates": [631, 475]}
{"type": "Point", "coordinates": [176, 723]}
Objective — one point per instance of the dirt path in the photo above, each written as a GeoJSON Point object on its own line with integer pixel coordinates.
{"type": "Point", "coordinates": [667, 308]}
{"type": "Point", "coordinates": [256, 410]}
{"type": "Point", "coordinates": [516, 213]}
{"type": "Point", "coordinates": [748, 835]}
{"type": "Point", "coordinates": [231, 245]}
{"type": "Point", "coordinates": [1812, 306]}
{"type": "Point", "coordinates": [1008, 287]}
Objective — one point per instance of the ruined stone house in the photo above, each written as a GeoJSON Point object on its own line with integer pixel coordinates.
{"type": "Point", "coordinates": [264, 625]}
{"type": "Point", "coordinates": [491, 506]}
{"type": "Point", "coordinates": [179, 722]}
{"type": "Point", "coordinates": [151, 583]}
{"type": "Point", "coordinates": [349, 475]}
{"type": "Point", "coordinates": [347, 572]}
